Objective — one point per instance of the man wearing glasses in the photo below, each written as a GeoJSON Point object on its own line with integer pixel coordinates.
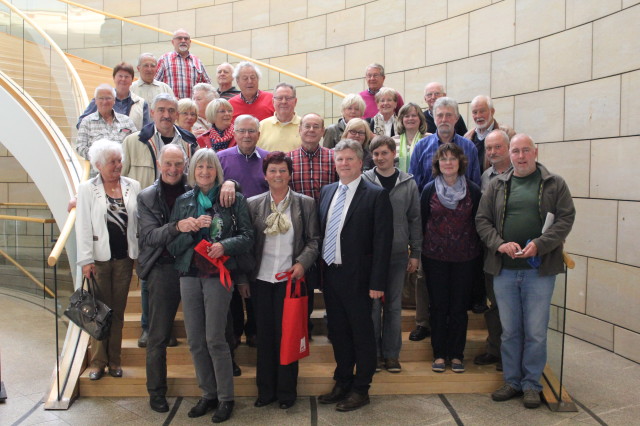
{"type": "Point", "coordinates": [374, 77]}
{"type": "Point", "coordinates": [432, 92]}
{"type": "Point", "coordinates": [280, 131]}
{"type": "Point", "coordinates": [180, 69]}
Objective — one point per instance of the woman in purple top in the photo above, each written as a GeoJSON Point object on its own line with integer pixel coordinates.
{"type": "Point", "coordinates": [450, 252]}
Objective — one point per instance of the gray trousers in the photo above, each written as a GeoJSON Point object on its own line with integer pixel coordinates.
{"type": "Point", "coordinates": [387, 320]}
{"type": "Point", "coordinates": [492, 318]}
{"type": "Point", "coordinates": [205, 303]}
{"type": "Point", "coordinates": [164, 297]}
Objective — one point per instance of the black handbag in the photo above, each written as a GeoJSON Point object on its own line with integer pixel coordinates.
{"type": "Point", "coordinates": [88, 313]}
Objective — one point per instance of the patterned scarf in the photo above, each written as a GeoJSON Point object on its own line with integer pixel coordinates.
{"type": "Point", "coordinates": [219, 141]}
{"type": "Point", "coordinates": [277, 222]}
{"type": "Point", "coordinates": [449, 196]}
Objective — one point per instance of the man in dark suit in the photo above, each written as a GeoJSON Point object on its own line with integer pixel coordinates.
{"type": "Point", "coordinates": [356, 220]}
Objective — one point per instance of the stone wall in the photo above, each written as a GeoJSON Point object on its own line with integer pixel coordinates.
{"type": "Point", "coordinates": [565, 71]}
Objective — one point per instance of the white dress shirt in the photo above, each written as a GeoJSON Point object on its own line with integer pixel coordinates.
{"type": "Point", "coordinates": [277, 254]}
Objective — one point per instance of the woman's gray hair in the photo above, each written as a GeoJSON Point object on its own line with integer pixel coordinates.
{"type": "Point", "coordinates": [446, 102]}
{"type": "Point", "coordinates": [209, 157]}
{"type": "Point", "coordinates": [208, 89]}
{"type": "Point", "coordinates": [386, 91]}
{"type": "Point", "coordinates": [214, 106]}
{"type": "Point", "coordinates": [352, 145]}
{"type": "Point", "coordinates": [245, 64]}
{"type": "Point", "coordinates": [187, 104]}
{"type": "Point", "coordinates": [353, 99]}
{"type": "Point", "coordinates": [100, 151]}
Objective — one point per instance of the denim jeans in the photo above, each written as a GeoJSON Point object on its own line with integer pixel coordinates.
{"type": "Point", "coordinates": [524, 298]}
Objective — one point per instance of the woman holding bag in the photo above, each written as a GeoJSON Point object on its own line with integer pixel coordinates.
{"type": "Point", "coordinates": [205, 296]}
{"type": "Point", "coordinates": [286, 239]}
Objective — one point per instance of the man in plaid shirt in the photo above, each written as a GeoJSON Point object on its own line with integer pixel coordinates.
{"type": "Point", "coordinates": [180, 69]}
{"type": "Point", "coordinates": [313, 165]}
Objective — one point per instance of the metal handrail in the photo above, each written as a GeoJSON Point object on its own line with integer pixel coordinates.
{"type": "Point", "coordinates": [210, 46]}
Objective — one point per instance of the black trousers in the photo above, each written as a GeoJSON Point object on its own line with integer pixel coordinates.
{"type": "Point", "coordinates": [237, 312]}
{"type": "Point", "coordinates": [350, 330]}
{"type": "Point", "coordinates": [164, 298]}
{"type": "Point", "coordinates": [492, 318]}
{"type": "Point", "coordinates": [449, 285]}
{"type": "Point", "coordinates": [273, 380]}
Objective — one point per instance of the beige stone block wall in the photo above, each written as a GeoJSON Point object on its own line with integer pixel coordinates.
{"type": "Point", "coordinates": [565, 71]}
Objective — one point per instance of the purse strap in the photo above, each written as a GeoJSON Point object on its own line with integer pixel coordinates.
{"type": "Point", "coordinates": [91, 289]}
{"type": "Point", "coordinates": [297, 290]}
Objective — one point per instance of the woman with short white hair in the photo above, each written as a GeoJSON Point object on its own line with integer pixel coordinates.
{"type": "Point", "coordinates": [352, 106]}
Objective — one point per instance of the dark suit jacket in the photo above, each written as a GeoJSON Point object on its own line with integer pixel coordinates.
{"type": "Point", "coordinates": [366, 237]}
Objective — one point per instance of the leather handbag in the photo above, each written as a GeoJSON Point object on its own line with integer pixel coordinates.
{"type": "Point", "coordinates": [89, 313]}
{"type": "Point", "coordinates": [294, 344]}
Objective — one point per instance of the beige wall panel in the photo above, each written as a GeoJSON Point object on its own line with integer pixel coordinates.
{"type": "Point", "coordinates": [224, 1]}
{"type": "Point", "coordinates": [611, 169]}
{"type": "Point", "coordinates": [4, 192]}
{"type": "Point", "coordinates": [309, 100]}
{"type": "Point", "coordinates": [504, 110]}
{"type": "Point", "coordinates": [614, 293]}
{"type": "Point", "coordinates": [239, 42]}
{"type": "Point", "coordinates": [540, 115]}
{"type": "Point", "coordinates": [628, 3]}
{"type": "Point", "coordinates": [250, 14]}
{"type": "Point", "coordinates": [492, 28]}
{"type": "Point", "coordinates": [590, 329]}
{"type": "Point", "coordinates": [282, 11]}
{"type": "Point", "coordinates": [616, 43]}
{"type": "Point", "coordinates": [159, 6]}
{"type": "Point", "coordinates": [326, 65]}
{"type": "Point", "coordinates": [192, 4]}
{"type": "Point", "coordinates": [569, 160]}
{"type": "Point", "coordinates": [359, 55]}
{"type": "Point", "coordinates": [184, 19]}
{"type": "Point", "coordinates": [448, 40]}
{"type": "Point", "coordinates": [24, 193]}
{"type": "Point", "coordinates": [592, 109]}
{"type": "Point", "coordinates": [92, 54]}
{"type": "Point", "coordinates": [538, 18]}
{"type": "Point", "coordinates": [351, 3]}
{"type": "Point", "coordinates": [577, 285]}
{"type": "Point", "coordinates": [396, 81]}
{"type": "Point", "coordinates": [595, 229]}
{"type": "Point", "coordinates": [565, 58]}
{"type": "Point", "coordinates": [214, 20]}
{"type": "Point", "coordinates": [122, 8]}
{"type": "Point", "coordinates": [630, 104]}
{"type": "Point", "coordinates": [458, 7]}
{"type": "Point", "coordinates": [11, 170]}
{"type": "Point", "coordinates": [628, 233]}
{"type": "Point", "coordinates": [205, 54]}
{"type": "Point", "coordinates": [315, 8]}
{"type": "Point", "coordinates": [514, 70]}
{"type": "Point", "coordinates": [293, 63]}
{"type": "Point", "coordinates": [626, 343]}
{"type": "Point", "coordinates": [419, 14]}
{"type": "Point", "coordinates": [308, 35]}
{"type": "Point", "coordinates": [404, 50]}
{"type": "Point", "coordinates": [270, 41]}
{"type": "Point", "coordinates": [134, 34]}
{"type": "Point", "coordinates": [158, 49]}
{"type": "Point", "coordinates": [345, 27]}
{"type": "Point", "coordinates": [3, 151]}
{"type": "Point", "coordinates": [416, 80]}
{"type": "Point", "coordinates": [469, 77]}
{"type": "Point", "coordinates": [383, 17]}
{"type": "Point", "coordinates": [112, 56]}
{"type": "Point", "coordinates": [581, 11]}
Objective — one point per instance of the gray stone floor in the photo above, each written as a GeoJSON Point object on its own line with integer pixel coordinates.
{"type": "Point", "coordinates": [604, 385]}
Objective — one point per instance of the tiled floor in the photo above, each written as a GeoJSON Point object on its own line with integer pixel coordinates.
{"type": "Point", "coordinates": [605, 384]}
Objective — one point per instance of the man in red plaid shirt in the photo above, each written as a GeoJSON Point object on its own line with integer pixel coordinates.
{"type": "Point", "coordinates": [313, 165]}
{"type": "Point", "coordinates": [180, 69]}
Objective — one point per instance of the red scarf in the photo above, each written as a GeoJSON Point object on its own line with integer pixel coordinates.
{"type": "Point", "coordinates": [212, 137]}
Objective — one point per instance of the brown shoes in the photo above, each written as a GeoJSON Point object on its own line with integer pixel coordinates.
{"type": "Point", "coordinates": [337, 394]}
{"type": "Point", "coordinates": [353, 401]}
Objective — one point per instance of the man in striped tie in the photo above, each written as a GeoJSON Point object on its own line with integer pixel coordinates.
{"type": "Point", "coordinates": [356, 220]}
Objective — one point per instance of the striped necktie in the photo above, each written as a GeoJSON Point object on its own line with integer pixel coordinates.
{"type": "Point", "coordinates": [331, 234]}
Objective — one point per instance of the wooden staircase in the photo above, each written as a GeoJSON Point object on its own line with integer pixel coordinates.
{"type": "Point", "coordinates": [315, 373]}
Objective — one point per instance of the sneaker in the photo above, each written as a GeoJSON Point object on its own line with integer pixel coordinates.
{"type": "Point", "coordinates": [531, 398]}
{"type": "Point", "coordinates": [457, 366]}
{"type": "Point", "coordinates": [393, 365]}
{"type": "Point", "coordinates": [379, 364]}
{"type": "Point", "coordinates": [505, 393]}
{"type": "Point", "coordinates": [438, 365]}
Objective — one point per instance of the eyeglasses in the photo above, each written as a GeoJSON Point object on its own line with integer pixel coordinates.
{"type": "Point", "coordinates": [373, 75]}
{"type": "Point", "coordinates": [432, 94]}
{"type": "Point", "coordinates": [357, 132]}
{"type": "Point", "coordinates": [243, 131]}
{"type": "Point", "coordinates": [182, 38]}
{"type": "Point", "coordinates": [104, 98]}
{"type": "Point", "coordinates": [284, 98]}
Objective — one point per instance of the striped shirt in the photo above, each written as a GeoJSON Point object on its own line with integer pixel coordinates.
{"type": "Point", "coordinates": [181, 74]}
{"type": "Point", "coordinates": [94, 127]}
{"type": "Point", "coordinates": [312, 170]}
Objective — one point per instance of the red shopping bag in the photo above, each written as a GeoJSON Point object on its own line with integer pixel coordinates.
{"type": "Point", "coordinates": [294, 344]}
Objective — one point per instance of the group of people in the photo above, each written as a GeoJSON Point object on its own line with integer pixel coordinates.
{"type": "Point", "coordinates": [223, 189]}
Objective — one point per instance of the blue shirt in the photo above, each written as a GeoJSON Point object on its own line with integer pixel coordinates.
{"type": "Point", "coordinates": [426, 148]}
{"type": "Point", "coordinates": [122, 106]}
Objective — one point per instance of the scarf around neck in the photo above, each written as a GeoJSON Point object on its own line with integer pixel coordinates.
{"type": "Point", "coordinates": [277, 222]}
{"type": "Point", "coordinates": [449, 196]}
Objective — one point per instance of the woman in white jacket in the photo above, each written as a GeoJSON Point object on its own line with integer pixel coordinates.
{"type": "Point", "coordinates": [106, 235]}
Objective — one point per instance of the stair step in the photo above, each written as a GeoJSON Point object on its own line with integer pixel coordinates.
{"type": "Point", "coordinates": [313, 379]}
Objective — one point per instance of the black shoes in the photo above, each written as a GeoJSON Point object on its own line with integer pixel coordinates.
{"type": "Point", "coordinates": [486, 359]}
{"type": "Point", "coordinates": [252, 341]}
{"type": "Point", "coordinates": [173, 342]}
{"type": "Point", "coordinates": [144, 339]}
{"type": "Point", "coordinates": [337, 394]}
{"type": "Point", "coordinates": [236, 370]}
{"type": "Point", "coordinates": [202, 407]}
{"type": "Point", "coordinates": [96, 374]}
{"type": "Point", "coordinates": [354, 401]}
{"type": "Point", "coordinates": [479, 308]}
{"type": "Point", "coordinates": [263, 402]}
{"type": "Point", "coordinates": [223, 413]}
{"type": "Point", "coordinates": [115, 372]}
{"type": "Point", "coordinates": [158, 403]}
{"type": "Point", "coordinates": [420, 333]}
{"type": "Point", "coordinates": [285, 405]}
